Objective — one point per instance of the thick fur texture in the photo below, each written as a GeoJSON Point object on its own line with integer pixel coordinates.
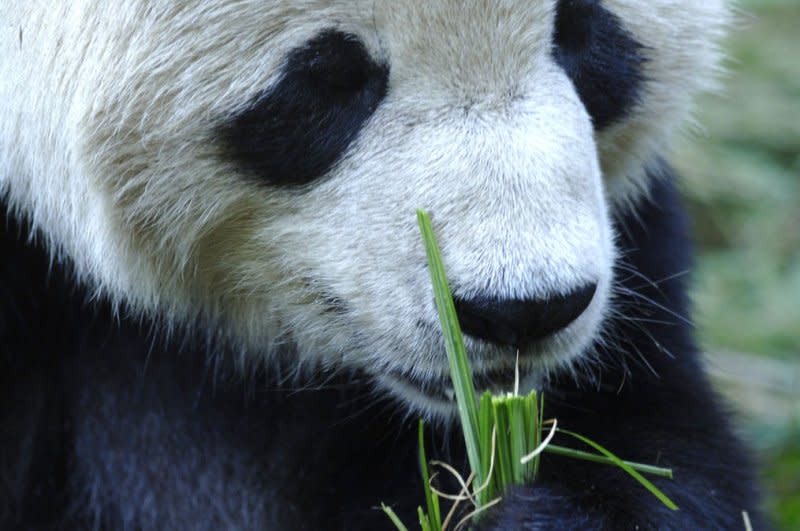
{"type": "Point", "coordinates": [216, 311]}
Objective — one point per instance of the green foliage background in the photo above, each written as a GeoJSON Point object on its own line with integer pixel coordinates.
{"type": "Point", "coordinates": [742, 182]}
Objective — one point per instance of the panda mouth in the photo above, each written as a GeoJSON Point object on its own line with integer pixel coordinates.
{"type": "Point", "coordinates": [441, 388]}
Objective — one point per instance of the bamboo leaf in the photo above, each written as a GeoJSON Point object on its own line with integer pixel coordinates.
{"type": "Point", "coordinates": [424, 520]}
{"type": "Point", "coordinates": [485, 427]}
{"type": "Point", "coordinates": [518, 438]}
{"type": "Point", "coordinates": [460, 371]}
{"type": "Point", "coordinates": [534, 429]}
{"type": "Point", "coordinates": [503, 465]}
{"type": "Point", "coordinates": [431, 499]}
{"type": "Point", "coordinates": [393, 517]}
{"type": "Point", "coordinates": [595, 458]}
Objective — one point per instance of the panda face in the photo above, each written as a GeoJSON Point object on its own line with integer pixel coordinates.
{"type": "Point", "coordinates": [255, 166]}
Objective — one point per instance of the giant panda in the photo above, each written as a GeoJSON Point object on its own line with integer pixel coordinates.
{"type": "Point", "coordinates": [216, 312]}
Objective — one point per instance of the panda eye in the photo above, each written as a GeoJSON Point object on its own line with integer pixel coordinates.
{"type": "Point", "coordinates": [297, 130]}
{"type": "Point", "coordinates": [601, 57]}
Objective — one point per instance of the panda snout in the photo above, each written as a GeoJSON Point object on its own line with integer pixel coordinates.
{"type": "Point", "coordinates": [518, 322]}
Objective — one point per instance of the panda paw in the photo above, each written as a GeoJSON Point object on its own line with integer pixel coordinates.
{"type": "Point", "coordinates": [551, 507]}
{"type": "Point", "coordinates": [536, 508]}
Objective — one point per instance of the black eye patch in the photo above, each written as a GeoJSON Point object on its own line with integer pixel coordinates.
{"type": "Point", "coordinates": [298, 129]}
{"type": "Point", "coordinates": [601, 57]}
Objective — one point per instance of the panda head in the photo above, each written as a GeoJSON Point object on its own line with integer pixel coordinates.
{"type": "Point", "coordinates": [255, 166]}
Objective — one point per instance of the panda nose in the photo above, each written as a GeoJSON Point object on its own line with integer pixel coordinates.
{"type": "Point", "coordinates": [517, 322]}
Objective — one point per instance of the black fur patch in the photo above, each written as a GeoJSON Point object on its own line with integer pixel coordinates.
{"type": "Point", "coordinates": [298, 129]}
{"type": "Point", "coordinates": [601, 57]}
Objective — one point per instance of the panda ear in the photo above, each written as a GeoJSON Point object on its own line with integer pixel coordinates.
{"type": "Point", "coordinates": [601, 57]}
{"type": "Point", "coordinates": [298, 129]}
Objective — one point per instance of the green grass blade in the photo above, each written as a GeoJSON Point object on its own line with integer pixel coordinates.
{"type": "Point", "coordinates": [424, 520]}
{"type": "Point", "coordinates": [537, 462]}
{"type": "Point", "coordinates": [534, 428]}
{"type": "Point", "coordinates": [485, 425]}
{"type": "Point", "coordinates": [519, 440]}
{"type": "Point", "coordinates": [595, 458]}
{"type": "Point", "coordinates": [503, 467]}
{"type": "Point", "coordinates": [431, 499]}
{"type": "Point", "coordinates": [393, 517]}
{"type": "Point", "coordinates": [626, 467]}
{"type": "Point", "coordinates": [454, 344]}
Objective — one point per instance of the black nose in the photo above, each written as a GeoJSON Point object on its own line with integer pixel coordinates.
{"type": "Point", "coordinates": [519, 321]}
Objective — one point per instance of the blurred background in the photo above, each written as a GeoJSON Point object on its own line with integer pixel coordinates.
{"type": "Point", "coordinates": [742, 184]}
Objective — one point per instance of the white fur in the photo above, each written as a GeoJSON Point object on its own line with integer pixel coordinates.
{"type": "Point", "coordinates": [108, 113]}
